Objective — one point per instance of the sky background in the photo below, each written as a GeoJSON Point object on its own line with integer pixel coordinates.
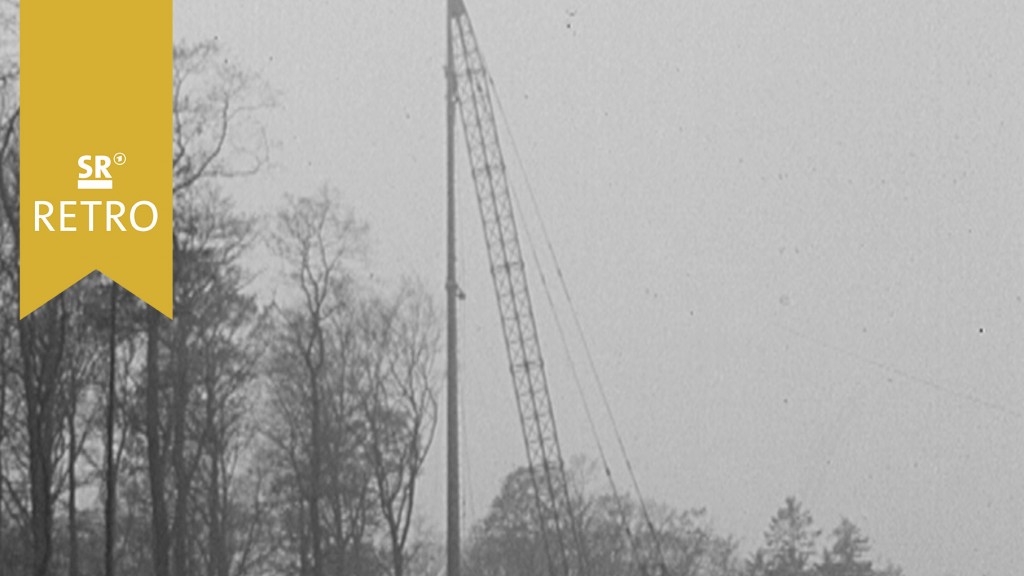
{"type": "Point", "coordinates": [792, 231]}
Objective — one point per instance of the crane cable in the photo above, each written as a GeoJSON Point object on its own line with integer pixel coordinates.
{"type": "Point", "coordinates": [620, 506]}
{"type": "Point", "coordinates": [586, 347]}
{"type": "Point", "coordinates": [577, 381]}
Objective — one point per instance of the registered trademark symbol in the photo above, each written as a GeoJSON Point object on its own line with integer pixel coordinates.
{"type": "Point", "coordinates": [120, 158]}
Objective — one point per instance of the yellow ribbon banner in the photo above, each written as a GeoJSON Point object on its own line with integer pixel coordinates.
{"type": "Point", "coordinates": [96, 87]}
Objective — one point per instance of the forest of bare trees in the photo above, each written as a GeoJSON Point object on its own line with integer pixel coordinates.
{"type": "Point", "coordinates": [243, 437]}
{"type": "Point", "coordinates": [281, 436]}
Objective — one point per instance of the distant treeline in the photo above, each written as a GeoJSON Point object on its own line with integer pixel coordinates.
{"type": "Point", "coordinates": [621, 538]}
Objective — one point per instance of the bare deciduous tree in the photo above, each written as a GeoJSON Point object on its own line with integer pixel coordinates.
{"type": "Point", "coordinates": [214, 136]}
{"type": "Point", "coordinates": [402, 340]}
{"type": "Point", "coordinates": [317, 244]}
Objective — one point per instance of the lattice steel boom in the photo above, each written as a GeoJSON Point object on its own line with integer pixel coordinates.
{"type": "Point", "coordinates": [559, 529]}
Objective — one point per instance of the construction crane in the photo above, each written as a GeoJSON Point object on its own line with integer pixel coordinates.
{"type": "Point", "coordinates": [469, 91]}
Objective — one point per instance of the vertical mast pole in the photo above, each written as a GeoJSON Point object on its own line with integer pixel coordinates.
{"type": "Point", "coordinates": [453, 549]}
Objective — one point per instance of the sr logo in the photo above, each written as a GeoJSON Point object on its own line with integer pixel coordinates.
{"type": "Point", "coordinates": [94, 171]}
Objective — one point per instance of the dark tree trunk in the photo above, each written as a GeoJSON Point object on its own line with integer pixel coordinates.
{"type": "Point", "coordinates": [157, 472]}
{"type": "Point", "coordinates": [218, 546]}
{"type": "Point", "coordinates": [72, 488]}
{"type": "Point", "coordinates": [314, 481]}
{"type": "Point", "coordinates": [110, 506]}
{"type": "Point", "coordinates": [182, 478]}
{"type": "Point", "coordinates": [316, 445]}
{"type": "Point", "coordinates": [3, 436]}
{"type": "Point", "coordinates": [218, 553]}
{"type": "Point", "coordinates": [42, 338]}
{"type": "Point", "coordinates": [303, 547]}
{"type": "Point", "coordinates": [41, 476]}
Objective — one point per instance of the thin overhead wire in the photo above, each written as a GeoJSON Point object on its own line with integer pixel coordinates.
{"type": "Point", "coordinates": [952, 392]}
{"type": "Point", "coordinates": [579, 331]}
{"type": "Point", "coordinates": [616, 494]}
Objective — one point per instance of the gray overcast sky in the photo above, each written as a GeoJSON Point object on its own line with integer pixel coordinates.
{"type": "Point", "coordinates": [793, 230]}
